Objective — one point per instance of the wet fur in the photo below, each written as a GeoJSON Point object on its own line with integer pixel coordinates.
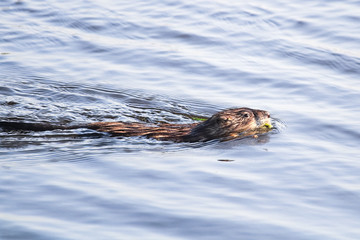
{"type": "Point", "coordinates": [227, 124]}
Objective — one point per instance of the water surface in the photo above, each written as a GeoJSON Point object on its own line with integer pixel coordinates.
{"type": "Point", "coordinates": [164, 61]}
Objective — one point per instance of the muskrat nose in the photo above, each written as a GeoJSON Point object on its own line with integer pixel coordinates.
{"type": "Point", "coordinates": [267, 114]}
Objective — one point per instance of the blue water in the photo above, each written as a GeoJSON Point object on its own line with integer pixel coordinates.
{"type": "Point", "coordinates": [163, 61]}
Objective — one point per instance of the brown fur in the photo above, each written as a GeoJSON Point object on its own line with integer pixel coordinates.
{"type": "Point", "coordinates": [231, 123]}
{"type": "Point", "coordinates": [227, 124]}
{"type": "Point", "coordinates": [173, 132]}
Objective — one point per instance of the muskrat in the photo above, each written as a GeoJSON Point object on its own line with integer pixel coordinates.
{"type": "Point", "coordinates": [227, 124]}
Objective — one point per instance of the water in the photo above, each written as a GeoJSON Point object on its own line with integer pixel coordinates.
{"type": "Point", "coordinates": [162, 61]}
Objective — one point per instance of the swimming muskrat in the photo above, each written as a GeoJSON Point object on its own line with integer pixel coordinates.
{"type": "Point", "coordinates": [227, 124]}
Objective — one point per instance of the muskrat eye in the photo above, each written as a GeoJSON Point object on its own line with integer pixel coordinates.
{"type": "Point", "coordinates": [244, 114]}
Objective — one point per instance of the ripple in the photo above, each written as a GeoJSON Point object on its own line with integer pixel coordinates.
{"type": "Point", "coordinates": [166, 61]}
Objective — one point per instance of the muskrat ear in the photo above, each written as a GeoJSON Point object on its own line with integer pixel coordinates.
{"type": "Point", "coordinates": [223, 119]}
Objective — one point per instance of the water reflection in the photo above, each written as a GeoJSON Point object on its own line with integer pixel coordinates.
{"type": "Point", "coordinates": [167, 61]}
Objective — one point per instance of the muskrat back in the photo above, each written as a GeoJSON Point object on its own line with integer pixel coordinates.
{"type": "Point", "coordinates": [227, 124]}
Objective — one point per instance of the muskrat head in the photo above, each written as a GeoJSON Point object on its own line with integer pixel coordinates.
{"type": "Point", "coordinates": [232, 123]}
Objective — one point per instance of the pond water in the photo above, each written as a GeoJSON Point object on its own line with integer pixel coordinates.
{"type": "Point", "coordinates": [163, 61]}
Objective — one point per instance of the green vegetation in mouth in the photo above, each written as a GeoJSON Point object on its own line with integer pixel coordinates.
{"type": "Point", "coordinates": [198, 118]}
{"type": "Point", "coordinates": [268, 125]}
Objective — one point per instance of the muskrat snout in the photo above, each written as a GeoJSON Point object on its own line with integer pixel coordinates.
{"type": "Point", "coordinates": [263, 119]}
{"type": "Point", "coordinates": [267, 114]}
